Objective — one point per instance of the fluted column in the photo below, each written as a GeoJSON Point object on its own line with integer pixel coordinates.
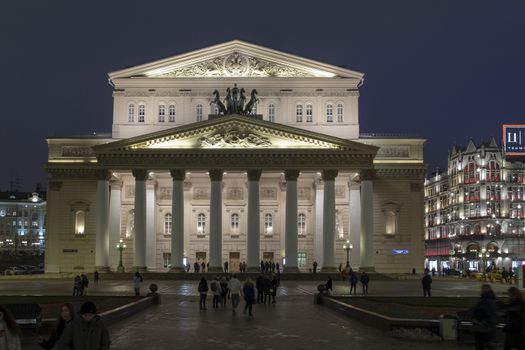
{"type": "Point", "coordinates": [114, 222]}
{"type": "Point", "coordinates": [253, 220]}
{"type": "Point", "coordinates": [139, 237]}
{"type": "Point", "coordinates": [177, 229]}
{"type": "Point", "coordinates": [102, 220]}
{"type": "Point", "coordinates": [290, 244]}
{"type": "Point", "coordinates": [329, 221]}
{"type": "Point", "coordinates": [216, 220]}
{"type": "Point", "coordinates": [367, 221]}
{"type": "Point", "coordinates": [355, 222]}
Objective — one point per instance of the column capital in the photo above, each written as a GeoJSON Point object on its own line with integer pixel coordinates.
{"type": "Point", "coordinates": [367, 174]}
{"type": "Point", "coordinates": [291, 175]}
{"type": "Point", "coordinates": [254, 175]}
{"type": "Point", "coordinates": [215, 174]}
{"type": "Point", "coordinates": [116, 184]}
{"type": "Point", "coordinates": [178, 174]}
{"type": "Point", "coordinates": [103, 174]}
{"type": "Point", "coordinates": [329, 174]}
{"type": "Point", "coordinates": [140, 174]}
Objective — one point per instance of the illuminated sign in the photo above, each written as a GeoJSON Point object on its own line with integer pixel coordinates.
{"type": "Point", "coordinates": [513, 137]}
{"type": "Point", "coordinates": [400, 251]}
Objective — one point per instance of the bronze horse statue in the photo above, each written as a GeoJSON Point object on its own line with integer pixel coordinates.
{"type": "Point", "coordinates": [253, 101]}
{"type": "Point", "coordinates": [218, 103]}
{"type": "Point", "coordinates": [240, 102]}
{"type": "Point", "coordinates": [229, 102]}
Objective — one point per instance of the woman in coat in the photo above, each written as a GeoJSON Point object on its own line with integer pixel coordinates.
{"type": "Point", "coordinates": [65, 316]}
{"type": "Point", "coordinates": [203, 291]}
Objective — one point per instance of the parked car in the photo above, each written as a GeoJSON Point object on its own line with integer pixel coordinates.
{"type": "Point", "coordinates": [15, 270]}
{"type": "Point", "coordinates": [453, 272]}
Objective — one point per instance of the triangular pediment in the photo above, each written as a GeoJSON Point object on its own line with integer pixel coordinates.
{"type": "Point", "coordinates": [234, 132]}
{"type": "Point", "coordinates": [236, 59]}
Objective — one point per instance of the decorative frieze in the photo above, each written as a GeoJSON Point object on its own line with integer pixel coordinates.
{"type": "Point", "coordinates": [73, 151]}
{"type": "Point", "coordinates": [235, 193]}
{"type": "Point", "coordinates": [268, 193]}
{"type": "Point", "coordinates": [201, 193]}
{"type": "Point", "coordinates": [304, 193]}
{"type": "Point", "coordinates": [165, 193]}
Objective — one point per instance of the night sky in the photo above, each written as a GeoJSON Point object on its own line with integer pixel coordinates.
{"type": "Point", "coordinates": [446, 70]}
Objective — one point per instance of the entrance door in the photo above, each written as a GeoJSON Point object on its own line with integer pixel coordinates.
{"type": "Point", "coordinates": [235, 260]}
{"type": "Point", "coordinates": [267, 256]}
{"type": "Point", "coordinates": [200, 257]}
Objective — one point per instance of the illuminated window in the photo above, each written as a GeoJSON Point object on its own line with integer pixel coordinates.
{"type": "Point", "coordinates": [340, 113]}
{"type": "Point", "coordinates": [268, 224]}
{"type": "Point", "coordinates": [301, 259]}
{"type": "Point", "coordinates": [201, 224]}
{"type": "Point", "coordinates": [162, 113]}
{"type": "Point", "coordinates": [80, 222]}
{"type": "Point", "coordinates": [171, 111]}
{"type": "Point", "coordinates": [329, 113]}
{"type": "Point", "coordinates": [309, 113]}
{"type": "Point", "coordinates": [299, 113]}
{"type": "Point", "coordinates": [168, 224]}
{"type": "Point", "coordinates": [131, 112]}
{"type": "Point", "coordinates": [199, 112]}
{"type": "Point", "coordinates": [271, 112]}
{"type": "Point", "coordinates": [142, 113]}
{"type": "Point", "coordinates": [166, 257]}
{"type": "Point", "coordinates": [301, 224]}
{"type": "Point", "coordinates": [234, 224]}
{"type": "Point", "coordinates": [391, 215]}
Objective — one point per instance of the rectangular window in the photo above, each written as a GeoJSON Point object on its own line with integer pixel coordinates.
{"type": "Point", "coordinates": [339, 113]}
{"type": "Point", "coordinates": [301, 259]}
{"type": "Point", "coordinates": [166, 257]}
{"type": "Point", "coordinates": [172, 113]}
{"type": "Point", "coordinates": [131, 113]}
{"type": "Point", "coordinates": [199, 112]}
{"type": "Point", "coordinates": [329, 113]}
{"type": "Point", "coordinates": [162, 114]}
{"type": "Point", "coordinates": [271, 112]}
{"type": "Point", "coordinates": [142, 113]}
{"type": "Point", "coordinates": [299, 113]}
{"type": "Point", "coordinates": [309, 113]}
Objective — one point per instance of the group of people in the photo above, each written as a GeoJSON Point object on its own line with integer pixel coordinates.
{"type": "Point", "coordinates": [269, 266]}
{"type": "Point", "coordinates": [80, 285]}
{"type": "Point", "coordinates": [230, 288]}
{"type": "Point", "coordinates": [354, 279]}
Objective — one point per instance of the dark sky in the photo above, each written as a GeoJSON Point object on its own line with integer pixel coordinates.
{"type": "Point", "coordinates": [445, 70]}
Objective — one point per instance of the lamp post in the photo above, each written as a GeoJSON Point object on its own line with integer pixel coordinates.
{"type": "Point", "coordinates": [347, 247]}
{"type": "Point", "coordinates": [120, 246]}
{"type": "Point", "coordinates": [484, 255]}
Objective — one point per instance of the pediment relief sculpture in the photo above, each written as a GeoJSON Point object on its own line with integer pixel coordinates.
{"type": "Point", "coordinates": [234, 139]}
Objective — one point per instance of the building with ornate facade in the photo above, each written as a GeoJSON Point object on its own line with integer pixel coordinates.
{"type": "Point", "coordinates": [475, 208]}
{"type": "Point", "coordinates": [193, 174]}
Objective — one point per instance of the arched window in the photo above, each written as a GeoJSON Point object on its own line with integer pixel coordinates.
{"type": "Point", "coordinates": [340, 116]}
{"type": "Point", "coordinates": [201, 224]}
{"type": "Point", "coordinates": [390, 222]}
{"type": "Point", "coordinates": [301, 224]}
{"type": "Point", "coordinates": [268, 224]}
{"type": "Point", "coordinates": [80, 222]}
{"type": "Point", "coordinates": [199, 112]}
{"type": "Point", "coordinates": [131, 112]}
{"type": "Point", "coordinates": [234, 222]}
{"type": "Point", "coordinates": [271, 112]}
{"type": "Point", "coordinates": [299, 113]}
{"type": "Point", "coordinates": [329, 113]}
{"type": "Point", "coordinates": [142, 113]}
{"type": "Point", "coordinates": [167, 224]}
{"type": "Point", "coordinates": [162, 113]}
{"type": "Point", "coordinates": [309, 113]}
{"type": "Point", "coordinates": [171, 111]}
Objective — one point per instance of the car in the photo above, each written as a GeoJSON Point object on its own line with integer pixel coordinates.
{"type": "Point", "coordinates": [453, 272]}
{"type": "Point", "coordinates": [15, 270]}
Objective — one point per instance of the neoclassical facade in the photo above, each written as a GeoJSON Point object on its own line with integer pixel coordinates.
{"type": "Point", "coordinates": [289, 179]}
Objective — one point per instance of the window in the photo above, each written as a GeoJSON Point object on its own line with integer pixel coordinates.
{"type": "Point", "coordinates": [199, 112]}
{"type": "Point", "coordinates": [166, 257]}
{"type": "Point", "coordinates": [299, 113]}
{"type": "Point", "coordinates": [142, 113]}
{"type": "Point", "coordinates": [309, 113]}
{"type": "Point", "coordinates": [268, 224]}
{"type": "Point", "coordinates": [329, 113]}
{"type": "Point", "coordinates": [171, 111]}
{"type": "Point", "coordinates": [271, 112]}
{"type": "Point", "coordinates": [168, 224]}
{"type": "Point", "coordinates": [80, 222]}
{"type": "Point", "coordinates": [301, 224]}
{"type": "Point", "coordinates": [391, 215]}
{"type": "Point", "coordinates": [201, 224]}
{"type": "Point", "coordinates": [235, 224]}
{"type": "Point", "coordinates": [131, 112]}
{"type": "Point", "coordinates": [340, 113]}
{"type": "Point", "coordinates": [162, 113]}
{"type": "Point", "coordinates": [301, 259]}
{"type": "Point", "coordinates": [493, 172]}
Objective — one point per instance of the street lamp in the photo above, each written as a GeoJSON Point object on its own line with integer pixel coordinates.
{"type": "Point", "coordinates": [347, 247]}
{"type": "Point", "coordinates": [120, 246]}
{"type": "Point", "coordinates": [484, 255]}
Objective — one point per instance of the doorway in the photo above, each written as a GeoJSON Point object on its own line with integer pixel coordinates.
{"type": "Point", "coordinates": [235, 260]}
{"type": "Point", "coordinates": [200, 257]}
{"type": "Point", "coordinates": [267, 256]}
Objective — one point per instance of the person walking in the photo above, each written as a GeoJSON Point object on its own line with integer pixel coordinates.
{"type": "Point", "coordinates": [328, 286]}
{"type": "Point", "coordinates": [65, 316]}
{"type": "Point", "coordinates": [249, 296]}
{"type": "Point", "coordinates": [364, 281]}
{"type": "Point", "coordinates": [484, 319]}
{"type": "Point", "coordinates": [203, 293]}
{"type": "Point", "coordinates": [85, 284]}
{"type": "Point", "coordinates": [225, 267]}
{"type": "Point", "coordinates": [196, 267]}
{"type": "Point", "coordinates": [260, 291]}
{"type": "Point", "coordinates": [353, 282]}
{"type": "Point", "coordinates": [274, 284]}
{"type": "Point", "coordinates": [234, 285]}
{"type": "Point", "coordinates": [203, 266]}
{"type": "Point", "coordinates": [224, 290]}
{"type": "Point", "coordinates": [514, 312]}
{"type": "Point", "coordinates": [215, 287]}
{"type": "Point", "coordinates": [85, 332]}
{"type": "Point", "coordinates": [426, 282]}
{"type": "Point", "coordinates": [96, 277]}
{"type": "Point", "coordinates": [137, 280]}
{"type": "Point", "coordinates": [267, 286]}
{"type": "Point", "coordinates": [77, 286]}
{"type": "Point", "coordinates": [262, 266]}
{"type": "Point", "coordinates": [9, 331]}
{"type": "Point", "coordinates": [315, 266]}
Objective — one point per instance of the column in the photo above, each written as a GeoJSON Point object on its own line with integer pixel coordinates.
{"type": "Point", "coordinates": [215, 258]}
{"type": "Point", "coordinates": [290, 226]}
{"type": "Point", "coordinates": [151, 235]}
{"type": "Point", "coordinates": [329, 220]}
{"type": "Point", "coordinates": [355, 221]}
{"type": "Point", "coordinates": [318, 233]}
{"type": "Point", "coordinates": [114, 222]}
{"type": "Point", "coordinates": [177, 215]}
{"type": "Point", "coordinates": [367, 222]}
{"type": "Point", "coordinates": [253, 220]}
{"type": "Point", "coordinates": [139, 238]}
{"type": "Point", "coordinates": [102, 219]}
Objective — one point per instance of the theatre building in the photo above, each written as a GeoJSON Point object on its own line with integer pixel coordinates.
{"type": "Point", "coordinates": [235, 153]}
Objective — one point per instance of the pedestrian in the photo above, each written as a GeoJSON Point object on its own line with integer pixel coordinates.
{"type": "Point", "coordinates": [433, 271]}
{"type": "Point", "coordinates": [203, 266]}
{"type": "Point", "coordinates": [96, 277]}
{"type": "Point", "coordinates": [267, 289]}
{"type": "Point", "coordinates": [315, 266]}
{"type": "Point", "coordinates": [514, 325]}
{"type": "Point", "coordinates": [484, 319]}
{"type": "Point", "coordinates": [196, 267]}
{"type": "Point", "coordinates": [9, 331]}
{"type": "Point", "coordinates": [85, 332]}
{"type": "Point", "coordinates": [85, 284]}
{"type": "Point", "coordinates": [364, 281]}
{"type": "Point", "coordinates": [203, 292]}
{"type": "Point", "coordinates": [77, 286]}
{"type": "Point", "coordinates": [328, 286]}
{"type": "Point", "coordinates": [234, 285]}
{"type": "Point", "coordinates": [259, 286]}
{"type": "Point", "coordinates": [137, 280]}
{"type": "Point", "coordinates": [426, 282]}
{"type": "Point", "coordinates": [224, 290]}
{"type": "Point", "coordinates": [504, 276]}
{"type": "Point", "coordinates": [207, 267]}
{"type": "Point", "coordinates": [353, 282]}
{"type": "Point", "coordinates": [215, 287]}
{"type": "Point", "coordinates": [273, 267]}
{"type": "Point", "coordinates": [277, 267]}
{"type": "Point", "coordinates": [225, 267]}
{"type": "Point", "coordinates": [340, 268]}
{"type": "Point", "coordinates": [249, 296]}
{"type": "Point", "coordinates": [274, 284]}
{"type": "Point", "coordinates": [188, 266]}
{"type": "Point", "coordinates": [65, 316]}
{"type": "Point", "coordinates": [262, 266]}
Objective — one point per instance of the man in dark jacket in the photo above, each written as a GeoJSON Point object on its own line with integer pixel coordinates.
{"type": "Point", "coordinates": [85, 332]}
{"type": "Point", "coordinates": [427, 283]}
{"type": "Point", "coordinates": [485, 319]}
{"type": "Point", "coordinates": [260, 291]}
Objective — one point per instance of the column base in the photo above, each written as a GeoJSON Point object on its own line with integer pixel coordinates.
{"type": "Point", "coordinates": [367, 269]}
{"type": "Point", "coordinates": [215, 269]}
{"type": "Point", "coordinates": [329, 269]}
{"type": "Point", "coordinates": [290, 269]}
{"type": "Point", "coordinates": [102, 268]}
{"type": "Point", "coordinates": [121, 269]}
{"type": "Point", "coordinates": [140, 269]}
{"type": "Point", "coordinates": [177, 269]}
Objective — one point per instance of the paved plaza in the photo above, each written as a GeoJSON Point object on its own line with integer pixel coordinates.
{"type": "Point", "coordinates": [294, 322]}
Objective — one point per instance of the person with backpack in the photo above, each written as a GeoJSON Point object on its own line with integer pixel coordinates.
{"type": "Point", "coordinates": [216, 290]}
{"type": "Point", "coordinates": [203, 293]}
{"type": "Point", "coordinates": [137, 280]}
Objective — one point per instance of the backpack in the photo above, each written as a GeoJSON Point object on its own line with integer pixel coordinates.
{"type": "Point", "coordinates": [214, 286]}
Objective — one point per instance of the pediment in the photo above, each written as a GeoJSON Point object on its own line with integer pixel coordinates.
{"type": "Point", "coordinates": [235, 59]}
{"type": "Point", "coordinates": [234, 132]}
